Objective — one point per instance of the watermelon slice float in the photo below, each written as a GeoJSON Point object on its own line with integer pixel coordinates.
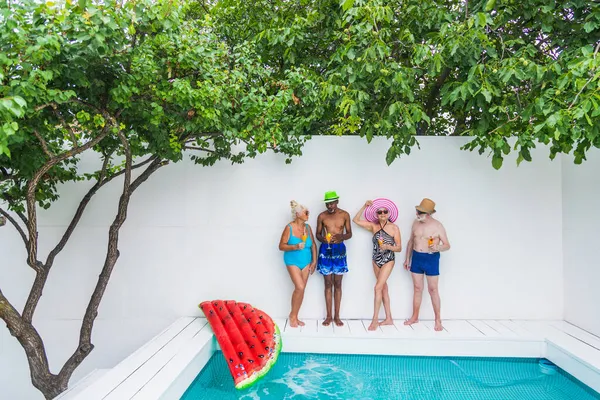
{"type": "Point", "coordinates": [249, 339]}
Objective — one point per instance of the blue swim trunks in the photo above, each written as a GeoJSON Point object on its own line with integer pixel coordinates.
{"type": "Point", "coordinates": [425, 263]}
{"type": "Point", "coordinates": [332, 259]}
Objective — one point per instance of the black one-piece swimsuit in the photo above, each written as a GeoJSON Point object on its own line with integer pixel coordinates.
{"type": "Point", "coordinates": [382, 256]}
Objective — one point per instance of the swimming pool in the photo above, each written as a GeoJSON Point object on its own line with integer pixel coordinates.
{"type": "Point", "coordinates": [336, 376]}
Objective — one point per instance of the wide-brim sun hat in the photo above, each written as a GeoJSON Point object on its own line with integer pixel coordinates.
{"type": "Point", "coordinates": [371, 211]}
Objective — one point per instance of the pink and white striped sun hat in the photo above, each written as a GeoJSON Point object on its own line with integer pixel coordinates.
{"type": "Point", "coordinates": [371, 211]}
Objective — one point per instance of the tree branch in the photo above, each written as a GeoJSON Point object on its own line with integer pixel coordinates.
{"type": "Point", "coordinates": [67, 127]}
{"type": "Point", "coordinates": [588, 81]}
{"type": "Point", "coordinates": [85, 335]}
{"type": "Point", "coordinates": [32, 188]}
{"type": "Point", "coordinates": [198, 148]}
{"type": "Point", "coordinates": [31, 342]}
{"type": "Point", "coordinates": [40, 280]}
{"type": "Point", "coordinates": [102, 180]}
{"type": "Point", "coordinates": [43, 143]}
{"type": "Point", "coordinates": [16, 225]}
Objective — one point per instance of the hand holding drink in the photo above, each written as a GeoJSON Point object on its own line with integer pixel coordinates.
{"type": "Point", "coordinates": [328, 238]}
{"type": "Point", "coordinates": [430, 244]}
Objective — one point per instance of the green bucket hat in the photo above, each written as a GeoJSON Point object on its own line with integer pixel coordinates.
{"type": "Point", "coordinates": [330, 196]}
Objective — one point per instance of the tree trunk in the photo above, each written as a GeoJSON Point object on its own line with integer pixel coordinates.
{"type": "Point", "coordinates": [49, 384]}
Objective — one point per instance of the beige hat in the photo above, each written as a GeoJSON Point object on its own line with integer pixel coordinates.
{"type": "Point", "coordinates": [426, 206]}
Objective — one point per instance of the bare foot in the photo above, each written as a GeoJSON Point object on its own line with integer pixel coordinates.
{"type": "Point", "coordinates": [338, 321]}
{"type": "Point", "coordinates": [411, 321]}
{"type": "Point", "coordinates": [300, 323]}
{"type": "Point", "coordinates": [295, 322]}
{"type": "Point", "coordinates": [327, 321]}
{"type": "Point", "coordinates": [374, 325]}
{"type": "Point", "coordinates": [387, 322]}
{"type": "Point", "coordinates": [438, 325]}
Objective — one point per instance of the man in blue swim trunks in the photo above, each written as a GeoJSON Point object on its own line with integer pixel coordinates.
{"type": "Point", "coordinates": [333, 227]}
{"type": "Point", "coordinates": [428, 238]}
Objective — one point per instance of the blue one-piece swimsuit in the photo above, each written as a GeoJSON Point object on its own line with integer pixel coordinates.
{"type": "Point", "coordinates": [299, 258]}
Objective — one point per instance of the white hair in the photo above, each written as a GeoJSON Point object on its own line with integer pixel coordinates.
{"type": "Point", "coordinates": [296, 208]}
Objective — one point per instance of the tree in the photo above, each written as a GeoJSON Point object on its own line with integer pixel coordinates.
{"type": "Point", "coordinates": [139, 83]}
{"type": "Point", "coordinates": [494, 70]}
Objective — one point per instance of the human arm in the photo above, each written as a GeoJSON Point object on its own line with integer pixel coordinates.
{"type": "Point", "coordinates": [358, 217]}
{"type": "Point", "coordinates": [313, 249]}
{"type": "Point", "coordinates": [445, 244]}
{"type": "Point", "coordinates": [285, 236]}
{"type": "Point", "coordinates": [346, 233]}
{"type": "Point", "coordinates": [319, 232]}
{"type": "Point", "coordinates": [397, 242]}
{"type": "Point", "coordinates": [409, 249]}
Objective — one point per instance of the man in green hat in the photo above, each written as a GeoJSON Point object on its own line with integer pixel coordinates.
{"type": "Point", "coordinates": [333, 227]}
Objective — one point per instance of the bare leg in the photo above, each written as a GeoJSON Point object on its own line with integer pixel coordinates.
{"type": "Point", "coordinates": [299, 278]}
{"type": "Point", "coordinates": [417, 297]}
{"type": "Point", "coordinates": [337, 298]}
{"type": "Point", "coordinates": [432, 286]}
{"type": "Point", "coordinates": [328, 286]}
{"type": "Point", "coordinates": [386, 306]}
{"type": "Point", "coordinates": [382, 274]}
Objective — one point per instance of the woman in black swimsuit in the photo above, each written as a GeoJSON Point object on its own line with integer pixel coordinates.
{"type": "Point", "coordinates": [386, 241]}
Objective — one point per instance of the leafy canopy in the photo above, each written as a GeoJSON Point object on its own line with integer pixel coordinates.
{"type": "Point", "coordinates": [493, 70]}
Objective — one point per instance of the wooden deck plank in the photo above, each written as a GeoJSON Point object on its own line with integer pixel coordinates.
{"type": "Point", "coordinates": [578, 333]}
{"type": "Point", "coordinates": [461, 329]}
{"type": "Point", "coordinates": [500, 328]}
{"type": "Point", "coordinates": [281, 323]}
{"type": "Point", "coordinates": [519, 330]}
{"type": "Point", "coordinates": [324, 330]}
{"type": "Point", "coordinates": [404, 330]}
{"type": "Point", "coordinates": [389, 330]}
{"type": "Point", "coordinates": [377, 332]}
{"type": "Point", "coordinates": [484, 328]}
{"type": "Point", "coordinates": [145, 372]}
{"type": "Point", "coordinates": [342, 330]}
{"type": "Point", "coordinates": [357, 329]}
{"type": "Point", "coordinates": [431, 326]}
{"type": "Point", "coordinates": [115, 376]}
{"type": "Point", "coordinates": [166, 375]}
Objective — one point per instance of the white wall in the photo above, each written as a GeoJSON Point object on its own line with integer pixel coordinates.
{"type": "Point", "coordinates": [198, 233]}
{"type": "Point", "coordinates": [581, 219]}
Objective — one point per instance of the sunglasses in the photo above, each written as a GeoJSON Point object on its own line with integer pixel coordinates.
{"type": "Point", "coordinates": [421, 212]}
{"type": "Point", "coordinates": [382, 212]}
{"type": "Point", "coordinates": [306, 212]}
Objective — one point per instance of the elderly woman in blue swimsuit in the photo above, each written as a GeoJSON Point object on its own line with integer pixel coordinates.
{"type": "Point", "coordinates": [386, 241]}
{"type": "Point", "coordinates": [300, 256]}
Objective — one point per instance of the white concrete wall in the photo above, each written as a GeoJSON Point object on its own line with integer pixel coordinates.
{"type": "Point", "coordinates": [581, 220]}
{"type": "Point", "coordinates": [198, 233]}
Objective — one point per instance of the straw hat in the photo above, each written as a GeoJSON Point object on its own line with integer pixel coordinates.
{"type": "Point", "coordinates": [371, 211]}
{"type": "Point", "coordinates": [426, 206]}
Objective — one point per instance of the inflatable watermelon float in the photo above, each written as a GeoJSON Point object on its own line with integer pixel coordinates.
{"type": "Point", "coordinates": [249, 339]}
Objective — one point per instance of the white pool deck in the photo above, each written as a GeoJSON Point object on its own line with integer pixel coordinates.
{"type": "Point", "coordinates": [165, 366]}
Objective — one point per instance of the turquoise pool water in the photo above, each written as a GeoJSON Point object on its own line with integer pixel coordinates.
{"type": "Point", "coordinates": [326, 376]}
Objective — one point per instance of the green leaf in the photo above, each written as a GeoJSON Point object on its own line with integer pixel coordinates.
{"type": "Point", "coordinates": [391, 155]}
{"type": "Point", "coordinates": [490, 5]}
{"type": "Point", "coordinates": [481, 19]}
{"type": "Point", "coordinates": [347, 4]}
{"type": "Point", "coordinates": [487, 94]}
{"type": "Point", "coordinates": [497, 161]}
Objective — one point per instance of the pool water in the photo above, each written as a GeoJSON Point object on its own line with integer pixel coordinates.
{"type": "Point", "coordinates": [337, 376]}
